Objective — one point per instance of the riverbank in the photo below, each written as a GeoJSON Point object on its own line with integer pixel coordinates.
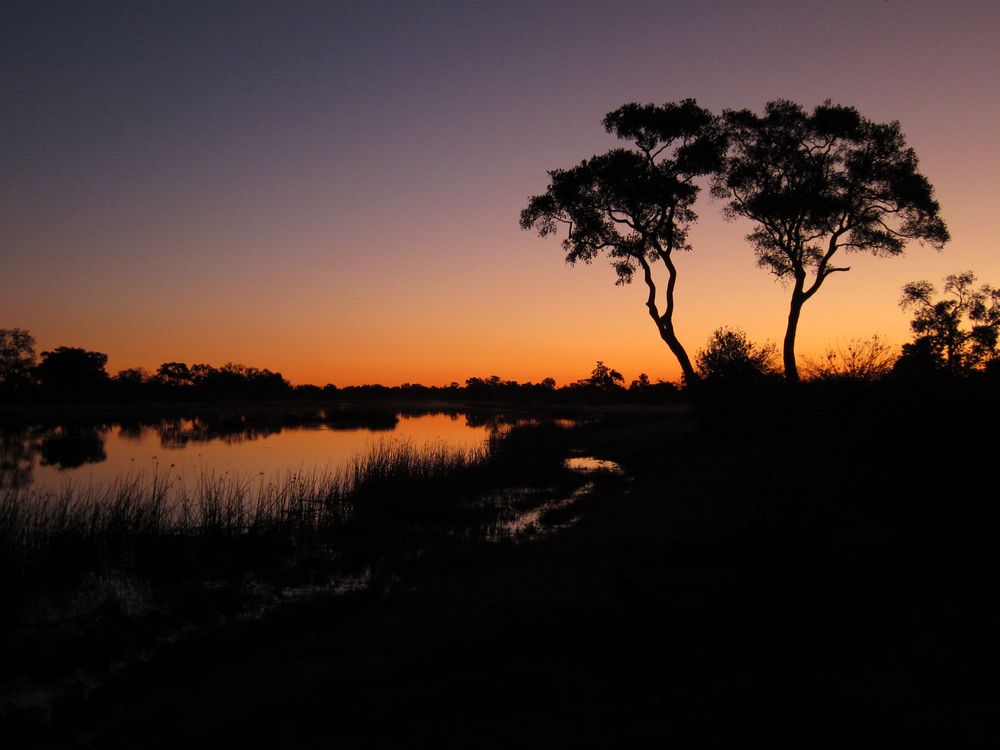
{"type": "Point", "coordinates": [315, 409]}
{"type": "Point", "coordinates": [823, 580]}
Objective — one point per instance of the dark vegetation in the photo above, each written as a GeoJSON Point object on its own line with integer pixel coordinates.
{"type": "Point", "coordinates": [816, 185]}
{"type": "Point", "coordinates": [69, 377]}
{"type": "Point", "coordinates": [768, 563]}
{"type": "Point", "coordinates": [154, 529]}
{"type": "Point", "coordinates": [762, 576]}
{"type": "Point", "coordinates": [635, 204]}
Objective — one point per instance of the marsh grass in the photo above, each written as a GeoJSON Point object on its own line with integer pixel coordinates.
{"type": "Point", "coordinates": [158, 527]}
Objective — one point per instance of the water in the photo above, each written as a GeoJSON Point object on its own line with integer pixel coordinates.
{"type": "Point", "coordinates": [590, 464]}
{"type": "Point", "coordinates": [46, 458]}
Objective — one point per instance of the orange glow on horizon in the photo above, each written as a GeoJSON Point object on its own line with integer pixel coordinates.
{"type": "Point", "coordinates": [341, 203]}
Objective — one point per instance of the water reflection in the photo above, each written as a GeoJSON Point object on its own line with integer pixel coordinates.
{"type": "Point", "coordinates": [270, 444]}
{"type": "Point", "coordinates": [345, 419]}
{"type": "Point", "coordinates": [590, 464]}
{"type": "Point", "coordinates": [17, 458]}
{"type": "Point", "coordinates": [68, 448]}
{"type": "Point", "coordinates": [177, 433]}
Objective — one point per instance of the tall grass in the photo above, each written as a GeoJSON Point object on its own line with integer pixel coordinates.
{"type": "Point", "coordinates": [158, 524]}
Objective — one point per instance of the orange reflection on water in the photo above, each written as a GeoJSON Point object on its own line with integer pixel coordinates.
{"type": "Point", "coordinates": [183, 451]}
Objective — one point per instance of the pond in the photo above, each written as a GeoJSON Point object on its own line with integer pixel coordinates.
{"type": "Point", "coordinates": [46, 458]}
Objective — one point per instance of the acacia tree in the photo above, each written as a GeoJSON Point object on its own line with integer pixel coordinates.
{"type": "Point", "coordinates": [818, 183]}
{"type": "Point", "coordinates": [635, 204]}
{"type": "Point", "coordinates": [959, 332]}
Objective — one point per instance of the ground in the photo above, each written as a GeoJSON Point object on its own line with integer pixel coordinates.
{"type": "Point", "coordinates": [819, 578]}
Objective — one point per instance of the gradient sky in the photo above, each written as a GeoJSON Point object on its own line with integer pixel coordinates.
{"type": "Point", "coordinates": [332, 189]}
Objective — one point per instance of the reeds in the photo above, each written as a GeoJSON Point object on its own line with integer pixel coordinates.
{"type": "Point", "coordinates": [145, 522]}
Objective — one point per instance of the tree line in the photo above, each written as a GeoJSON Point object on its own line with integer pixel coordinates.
{"type": "Point", "coordinates": [74, 374]}
{"type": "Point", "coordinates": [955, 336]}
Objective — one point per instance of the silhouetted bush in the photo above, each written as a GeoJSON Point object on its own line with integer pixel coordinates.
{"type": "Point", "coordinates": [860, 360]}
{"type": "Point", "coordinates": [731, 361]}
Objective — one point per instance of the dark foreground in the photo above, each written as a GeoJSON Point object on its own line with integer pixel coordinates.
{"type": "Point", "coordinates": [823, 578]}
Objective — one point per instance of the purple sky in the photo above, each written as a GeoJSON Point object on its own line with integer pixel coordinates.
{"type": "Point", "coordinates": [332, 189]}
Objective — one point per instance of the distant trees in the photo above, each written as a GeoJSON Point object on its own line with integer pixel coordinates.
{"type": "Point", "coordinates": [71, 371]}
{"type": "Point", "coordinates": [231, 381]}
{"type": "Point", "coordinates": [174, 374]}
{"type": "Point", "coordinates": [815, 183]}
{"type": "Point", "coordinates": [641, 383]}
{"type": "Point", "coordinates": [495, 388]}
{"type": "Point", "coordinates": [956, 333]}
{"type": "Point", "coordinates": [236, 380]}
{"type": "Point", "coordinates": [604, 378]}
{"type": "Point", "coordinates": [131, 384]}
{"type": "Point", "coordinates": [17, 358]}
{"type": "Point", "coordinates": [635, 204]}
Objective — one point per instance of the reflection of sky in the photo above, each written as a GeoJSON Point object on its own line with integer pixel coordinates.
{"type": "Point", "coordinates": [273, 456]}
{"type": "Point", "coordinates": [332, 189]}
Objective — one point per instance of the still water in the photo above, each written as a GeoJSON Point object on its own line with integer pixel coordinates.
{"type": "Point", "coordinates": [46, 458]}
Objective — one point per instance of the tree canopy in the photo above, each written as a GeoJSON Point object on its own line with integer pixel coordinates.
{"type": "Point", "coordinates": [17, 357]}
{"type": "Point", "coordinates": [635, 204]}
{"type": "Point", "coordinates": [604, 378]}
{"type": "Point", "coordinates": [817, 183]}
{"type": "Point", "coordinates": [957, 332]}
{"type": "Point", "coordinates": [72, 371]}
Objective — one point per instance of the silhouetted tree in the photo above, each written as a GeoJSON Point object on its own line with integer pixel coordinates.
{"type": "Point", "coordinates": [918, 361]}
{"type": "Point", "coordinates": [17, 358]}
{"type": "Point", "coordinates": [639, 384]}
{"type": "Point", "coordinates": [131, 384]}
{"type": "Point", "coordinates": [604, 378]}
{"type": "Point", "coordinates": [131, 377]}
{"type": "Point", "coordinates": [958, 332]}
{"type": "Point", "coordinates": [635, 203]}
{"type": "Point", "coordinates": [71, 371]}
{"type": "Point", "coordinates": [817, 183]}
{"type": "Point", "coordinates": [174, 374]}
{"type": "Point", "coordinates": [731, 358]}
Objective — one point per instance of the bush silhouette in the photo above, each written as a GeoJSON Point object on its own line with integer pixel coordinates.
{"type": "Point", "coordinates": [731, 359]}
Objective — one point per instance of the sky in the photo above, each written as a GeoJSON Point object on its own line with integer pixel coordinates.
{"type": "Point", "coordinates": [332, 189]}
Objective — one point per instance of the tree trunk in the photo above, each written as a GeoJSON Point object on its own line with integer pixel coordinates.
{"type": "Point", "coordinates": [666, 328]}
{"type": "Point", "coordinates": [788, 349]}
{"type": "Point", "coordinates": [665, 323]}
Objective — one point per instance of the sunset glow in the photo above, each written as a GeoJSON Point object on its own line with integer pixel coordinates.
{"type": "Point", "coordinates": [332, 191]}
